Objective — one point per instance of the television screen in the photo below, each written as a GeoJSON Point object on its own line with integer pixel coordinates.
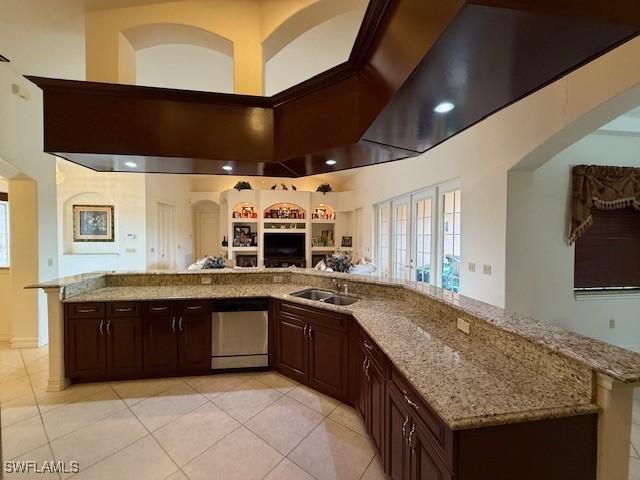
{"type": "Point", "coordinates": [284, 245]}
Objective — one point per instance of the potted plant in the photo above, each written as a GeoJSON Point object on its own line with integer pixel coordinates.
{"type": "Point", "coordinates": [242, 185]}
{"type": "Point", "coordinates": [324, 188]}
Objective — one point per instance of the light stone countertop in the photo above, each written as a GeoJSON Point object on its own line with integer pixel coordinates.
{"type": "Point", "coordinates": [468, 383]}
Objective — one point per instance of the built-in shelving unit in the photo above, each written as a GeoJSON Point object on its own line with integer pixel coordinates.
{"type": "Point", "coordinates": [323, 218]}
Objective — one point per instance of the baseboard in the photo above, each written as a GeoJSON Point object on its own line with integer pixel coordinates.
{"type": "Point", "coordinates": [4, 337]}
{"type": "Point", "coordinates": [25, 342]}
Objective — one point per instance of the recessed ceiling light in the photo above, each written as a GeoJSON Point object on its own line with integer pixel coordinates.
{"type": "Point", "coordinates": [130, 164]}
{"type": "Point", "coordinates": [331, 162]}
{"type": "Point", "coordinates": [227, 168]}
{"type": "Point", "coordinates": [444, 107]}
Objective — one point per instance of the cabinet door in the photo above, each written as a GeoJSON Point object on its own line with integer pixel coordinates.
{"type": "Point", "coordinates": [292, 357]}
{"type": "Point", "coordinates": [398, 423]}
{"type": "Point", "coordinates": [425, 464]}
{"type": "Point", "coordinates": [329, 361]}
{"type": "Point", "coordinates": [194, 345]}
{"type": "Point", "coordinates": [160, 344]}
{"type": "Point", "coordinates": [376, 401]}
{"type": "Point", "coordinates": [86, 354]}
{"type": "Point", "coordinates": [362, 387]}
{"type": "Point", "coordinates": [124, 347]}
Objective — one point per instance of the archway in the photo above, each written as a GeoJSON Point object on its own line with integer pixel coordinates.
{"type": "Point", "coordinates": [206, 228]}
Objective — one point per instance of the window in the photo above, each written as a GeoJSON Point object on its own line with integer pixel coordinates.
{"type": "Point", "coordinates": [450, 266]}
{"type": "Point", "coordinates": [418, 237]}
{"type": "Point", "coordinates": [607, 255]}
{"type": "Point", "coordinates": [384, 239]}
{"type": "Point", "coordinates": [4, 231]}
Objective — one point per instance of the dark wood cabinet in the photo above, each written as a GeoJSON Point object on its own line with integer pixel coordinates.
{"type": "Point", "coordinates": [397, 420]}
{"type": "Point", "coordinates": [85, 348]}
{"type": "Point", "coordinates": [313, 348]}
{"type": "Point", "coordinates": [123, 341]}
{"type": "Point", "coordinates": [126, 340]}
{"type": "Point", "coordinates": [160, 346]}
{"type": "Point", "coordinates": [293, 356]}
{"type": "Point", "coordinates": [194, 342]}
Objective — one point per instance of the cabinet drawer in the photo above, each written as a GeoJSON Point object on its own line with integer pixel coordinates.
{"type": "Point", "coordinates": [195, 307]}
{"type": "Point", "coordinates": [158, 308]}
{"type": "Point", "coordinates": [123, 309]}
{"type": "Point", "coordinates": [439, 434]}
{"type": "Point", "coordinates": [319, 317]}
{"type": "Point", "coordinates": [86, 310]}
{"type": "Point", "coordinates": [371, 349]}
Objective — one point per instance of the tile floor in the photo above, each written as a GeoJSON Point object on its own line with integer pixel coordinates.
{"type": "Point", "coordinates": [232, 426]}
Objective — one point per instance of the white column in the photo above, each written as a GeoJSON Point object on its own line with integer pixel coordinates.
{"type": "Point", "coordinates": [55, 310]}
{"type": "Point", "coordinates": [614, 428]}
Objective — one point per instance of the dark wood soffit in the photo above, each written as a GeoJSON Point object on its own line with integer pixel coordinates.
{"type": "Point", "coordinates": [374, 108]}
{"type": "Point", "coordinates": [4, 197]}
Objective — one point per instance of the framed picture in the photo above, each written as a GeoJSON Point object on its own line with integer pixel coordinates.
{"type": "Point", "coordinates": [247, 212]}
{"type": "Point", "coordinates": [347, 241]}
{"type": "Point", "coordinates": [241, 236]}
{"type": "Point", "coordinates": [93, 223]}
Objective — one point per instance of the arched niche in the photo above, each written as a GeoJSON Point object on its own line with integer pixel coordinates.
{"type": "Point", "coordinates": [174, 55]}
{"type": "Point", "coordinates": [71, 247]}
{"type": "Point", "coordinates": [284, 211]}
{"type": "Point", "coordinates": [246, 210]}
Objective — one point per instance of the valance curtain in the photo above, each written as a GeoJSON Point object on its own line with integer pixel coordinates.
{"type": "Point", "coordinates": [604, 188]}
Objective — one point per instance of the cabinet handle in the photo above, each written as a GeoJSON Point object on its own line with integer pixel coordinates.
{"type": "Point", "coordinates": [410, 402]}
{"type": "Point", "coordinates": [180, 324]}
{"type": "Point", "coordinates": [310, 333]}
{"type": "Point", "coordinates": [122, 310]}
{"type": "Point", "coordinates": [404, 426]}
{"type": "Point", "coordinates": [198, 307]}
{"type": "Point", "coordinates": [367, 345]}
{"type": "Point", "coordinates": [305, 330]}
{"type": "Point", "coordinates": [86, 310]}
{"type": "Point", "coordinates": [364, 365]}
{"type": "Point", "coordinates": [100, 327]}
{"type": "Point", "coordinates": [366, 368]}
{"type": "Point", "coordinates": [158, 309]}
{"type": "Point", "coordinates": [173, 324]}
{"type": "Point", "coordinates": [410, 439]}
{"type": "Point", "coordinates": [108, 327]}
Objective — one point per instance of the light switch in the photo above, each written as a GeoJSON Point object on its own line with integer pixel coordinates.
{"type": "Point", "coordinates": [463, 326]}
{"type": "Point", "coordinates": [472, 267]}
{"type": "Point", "coordinates": [130, 250]}
{"type": "Point", "coordinates": [486, 269]}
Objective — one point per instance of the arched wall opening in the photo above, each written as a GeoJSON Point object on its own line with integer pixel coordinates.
{"type": "Point", "coordinates": [206, 229]}
{"type": "Point", "coordinates": [539, 259]}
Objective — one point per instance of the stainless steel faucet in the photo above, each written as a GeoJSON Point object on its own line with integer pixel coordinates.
{"type": "Point", "coordinates": [340, 287]}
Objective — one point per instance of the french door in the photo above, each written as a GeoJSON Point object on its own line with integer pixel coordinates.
{"type": "Point", "coordinates": [412, 234]}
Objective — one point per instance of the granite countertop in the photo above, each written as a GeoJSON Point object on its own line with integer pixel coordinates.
{"type": "Point", "coordinates": [468, 383]}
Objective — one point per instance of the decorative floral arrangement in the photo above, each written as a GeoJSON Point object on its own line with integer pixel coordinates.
{"type": "Point", "coordinates": [338, 263]}
{"type": "Point", "coordinates": [213, 262]}
{"type": "Point", "coordinates": [242, 186]}
{"type": "Point", "coordinates": [324, 188]}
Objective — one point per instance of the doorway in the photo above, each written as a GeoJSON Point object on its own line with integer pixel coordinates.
{"type": "Point", "coordinates": [206, 239]}
{"type": "Point", "coordinates": [166, 236]}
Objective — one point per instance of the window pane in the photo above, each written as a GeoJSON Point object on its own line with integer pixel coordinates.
{"type": "Point", "coordinates": [4, 234]}
{"type": "Point", "coordinates": [451, 240]}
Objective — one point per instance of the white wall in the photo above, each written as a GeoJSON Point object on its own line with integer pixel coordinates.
{"type": "Point", "coordinates": [540, 263]}
{"type": "Point", "coordinates": [318, 49]}
{"type": "Point", "coordinates": [220, 183]}
{"type": "Point", "coordinates": [126, 192]}
{"type": "Point", "coordinates": [187, 67]}
{"type": "Point", "coordinates": [172, 190]}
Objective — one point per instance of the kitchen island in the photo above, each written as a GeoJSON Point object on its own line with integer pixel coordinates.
{"type": "Point", "coordinates": [507, 384]}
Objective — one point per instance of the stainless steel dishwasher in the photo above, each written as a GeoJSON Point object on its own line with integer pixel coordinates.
{"type": "Point", "coordinates": [240, 333]}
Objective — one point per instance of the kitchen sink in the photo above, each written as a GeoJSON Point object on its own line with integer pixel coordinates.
{"type": "Point", "coordinates": [313, 294]}
{"type": "Point", "coordinates": [324, 296]}
{"type": "Point", "coordinates": [340, 300]}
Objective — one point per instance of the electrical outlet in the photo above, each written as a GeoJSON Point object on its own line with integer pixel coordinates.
{"type": "Point", "coordinates": [463, 326]}
{"type": "Point", "coordinates": [472, 267]}
{"type": "Point", "coordinates": [486, 269]}
{"type": "Point", "coordinates": [206, 280]}
{"type": "Point", "coordinates": [612, 323]}
{"type": "Point", "coordinates": [277, 279]}
{"type": "Point", "coordinates": [50, 262]}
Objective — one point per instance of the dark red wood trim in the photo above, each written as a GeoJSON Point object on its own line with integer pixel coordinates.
{"type": "Point", "coordinates": [4, 197]}
{"type": "Point", "coordinates": [3, 58]}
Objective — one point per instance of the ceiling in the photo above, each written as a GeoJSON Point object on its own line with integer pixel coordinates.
{"type": "Point", "coordinates": [627, 123]}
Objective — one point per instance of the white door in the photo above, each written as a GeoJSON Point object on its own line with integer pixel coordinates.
{"type": "Point", "coordinates": [401, 238]}
{"type": "Point", "coordinates": [359, 245]}
{"type": "Point", "coordinates": [165, 236]}
{"type": "Point", "coordinates": [207, 226]}
{"type": "Point", "coordinates": [422, 239]}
